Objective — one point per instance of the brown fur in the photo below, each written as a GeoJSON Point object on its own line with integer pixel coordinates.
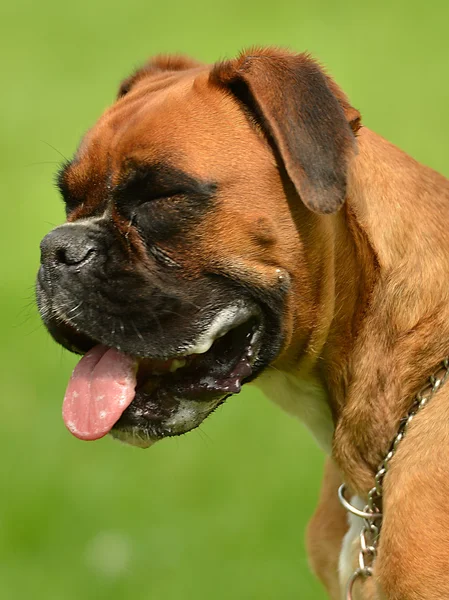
{"type": "Point", "coordinates": [326, 530]}
{"type": "Point", "coordinates": [367, 306]}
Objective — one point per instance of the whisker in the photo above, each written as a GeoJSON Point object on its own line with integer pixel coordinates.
{"type": "Point", "coordinates": [75, 307]}
{"type": "Point", "coordinates": [55, 149]}
{"type": "Point", "coordinates": [43, 162]}
{"type": "Point", "coordinates": [138, 332]}
{"type": "Point", "coordinates": [204, 436]}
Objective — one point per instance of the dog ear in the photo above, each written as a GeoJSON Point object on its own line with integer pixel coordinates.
{"type": "Point", "coordinates": [304, 115]}
{"type": "Point", "coordinates": [158, 64]}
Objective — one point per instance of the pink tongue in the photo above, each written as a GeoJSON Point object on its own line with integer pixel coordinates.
{"type": "Point", "coordinates": [101, 387]}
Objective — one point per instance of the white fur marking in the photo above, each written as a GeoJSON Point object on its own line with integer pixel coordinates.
{"type": "Point", "coordinates": [85, 221]}
{"type": "Point", "coordinates": [350, 543]}
{"type": "Point", "coordinates": [227, 319]}
{"type": "Point", "coordinates": [304, 398]}
{"type": "Point", "coordinates": [190, 413]}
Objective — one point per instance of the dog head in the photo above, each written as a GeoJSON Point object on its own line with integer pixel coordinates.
{"type": "Point", "coordinates": [181, 272]}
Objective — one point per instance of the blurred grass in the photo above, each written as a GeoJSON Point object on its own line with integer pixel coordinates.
{"type": "Point", "coordinates": [221, 512]}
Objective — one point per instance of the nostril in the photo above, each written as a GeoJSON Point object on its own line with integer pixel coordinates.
{"type": "Point", "coordinates": [74, 254]}
{"type": "Point", "coordinates": [68, 246]}
{"type": "Point", "coordinates": [60, 255]}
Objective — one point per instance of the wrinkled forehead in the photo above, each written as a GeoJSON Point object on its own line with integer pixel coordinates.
{"type": "Point", "coordinates": [181, 119]}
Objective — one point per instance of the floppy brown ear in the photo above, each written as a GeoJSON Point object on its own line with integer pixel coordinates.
{"type": "Point", "coordinates": [158, 64]}
{"type": "Point", "coordinates": [304, 115]}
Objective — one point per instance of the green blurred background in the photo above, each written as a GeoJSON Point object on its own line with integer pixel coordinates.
{"type": "Point", "coordinates": [220, 513]}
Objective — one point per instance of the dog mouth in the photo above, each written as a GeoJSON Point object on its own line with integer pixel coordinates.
{"type": "Point", "coordinates": [141, 400]}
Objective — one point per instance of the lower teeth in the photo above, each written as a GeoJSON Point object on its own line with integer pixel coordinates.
{"type": "Point", "coordinates": [177, 364]}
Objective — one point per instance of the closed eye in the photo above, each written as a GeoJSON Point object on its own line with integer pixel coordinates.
{"type": "Point", "coordinates": [162, 257]}
{"type": "Point", "coordinates": [169, 195]}
{"type": "Point", "coordinates": [158, 182]}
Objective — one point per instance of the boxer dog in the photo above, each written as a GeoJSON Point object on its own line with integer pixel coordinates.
{"type": "Point", "coordinates": [236, 223]}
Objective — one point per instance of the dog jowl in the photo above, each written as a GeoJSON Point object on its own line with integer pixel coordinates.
{"type": "Point", "coordinates": [181, 272]}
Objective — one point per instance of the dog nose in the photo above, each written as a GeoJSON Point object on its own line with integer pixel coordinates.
{"type": "Point", "coordinates": [67, 246]}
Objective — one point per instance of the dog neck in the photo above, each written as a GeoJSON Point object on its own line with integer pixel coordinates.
{"type": "Point", "coordinates": [402, 207]}
{"type": "Point", "coordinates": [381, 325]}
{"type": "Point", "coordinates": [310, 378]}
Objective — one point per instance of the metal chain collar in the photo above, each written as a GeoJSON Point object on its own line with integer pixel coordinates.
{"type": "Point", "coordinates": [372, 513]}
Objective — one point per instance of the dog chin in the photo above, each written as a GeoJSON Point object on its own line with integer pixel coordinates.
{"type": "Point", "coordinates": [189, 415]}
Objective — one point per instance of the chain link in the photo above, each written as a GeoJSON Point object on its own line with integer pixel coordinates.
{"type": "Point", "coordinates": [372, 513]}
